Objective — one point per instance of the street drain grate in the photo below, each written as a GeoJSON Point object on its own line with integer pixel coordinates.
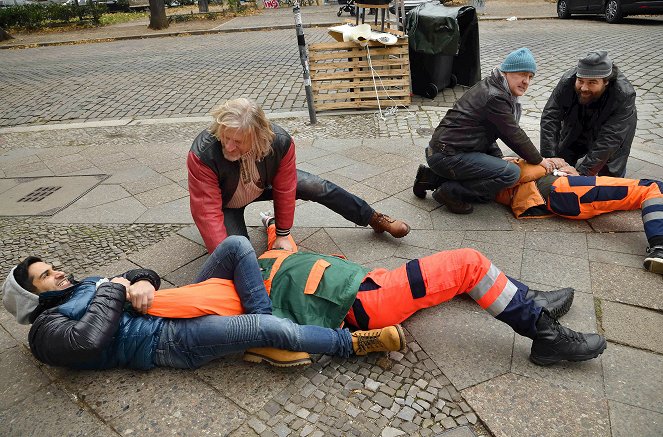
{"type": "Point", "coordinates": [39, 194]}
{"type": "Point", "coordinates": [43, 196]}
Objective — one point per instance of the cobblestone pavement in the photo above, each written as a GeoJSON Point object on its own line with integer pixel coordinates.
{"type": "Point", "coordinates": [463, 373]}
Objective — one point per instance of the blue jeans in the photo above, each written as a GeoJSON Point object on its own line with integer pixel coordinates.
{"type": "Point", "coordinates": [309, 187]}
{"type": "Point", "coordinates": [191, 343]}
{"type": "Point", "coordinates": [234, 258]}
{"type": "Point", "coordinates": [474, 176]}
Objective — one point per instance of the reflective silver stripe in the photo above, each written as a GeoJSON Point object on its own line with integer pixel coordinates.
{"type": "Point", "coordinates": [503, 299]}
{"type": "Point", "coordinates": [654, 201]}
{"type": "Point", "coordinates": [486, 283]}
{"type": "Point", "coordinates": [656, 215]}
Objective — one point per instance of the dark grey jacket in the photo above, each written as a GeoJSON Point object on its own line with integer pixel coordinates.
{"type": "Point", "coordinates": [482, 115]}
{"type": "Point", "coordinates": [609, 133]}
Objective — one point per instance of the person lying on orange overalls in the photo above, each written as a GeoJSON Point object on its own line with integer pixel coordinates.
{"type": "Point", "coordinates": [569, 195]}
{"type": "Point", "coordinates": [323, 290]}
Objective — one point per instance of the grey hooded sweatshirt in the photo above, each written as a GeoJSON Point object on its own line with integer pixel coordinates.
{"type": "Point", "coordinates": [17, 300]}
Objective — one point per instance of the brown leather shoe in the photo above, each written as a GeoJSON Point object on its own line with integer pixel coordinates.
{"type": "Point", "coordinates": [382, 222]}
{"type": "Point", "coordinates": [391, 338]}
{"type": "Point", "coordinates": [454, 205]}
{"type": "Point", "coordinates": [277, 357]}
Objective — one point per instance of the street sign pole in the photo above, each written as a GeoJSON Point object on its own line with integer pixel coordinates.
{"type": "Point", "coordinates": [303, 56]}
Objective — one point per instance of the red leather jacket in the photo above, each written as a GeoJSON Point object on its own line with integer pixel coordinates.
{"type": "Point", "coordinates": [213, 178]}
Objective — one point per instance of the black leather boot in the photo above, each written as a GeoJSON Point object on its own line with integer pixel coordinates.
{"type": "Point", "coordinates": [425, 180]}
{"type": "Point", "coordinates": [553, 343]}
{"type": "Point", "coordinates": [557, 302]}
{"type": "Point", "coordinates": [454, 205]}
{"type": "Point", "coordinates": [654, 261]}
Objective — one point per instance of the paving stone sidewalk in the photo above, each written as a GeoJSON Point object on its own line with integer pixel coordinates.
{"type": "Point", "coordinates": [463, 374]}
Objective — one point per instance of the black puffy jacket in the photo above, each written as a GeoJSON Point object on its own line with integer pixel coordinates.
{"type": "Point", "coordinates": [482, 115]}
{"type": "Point", "coordinates": [609, 134]}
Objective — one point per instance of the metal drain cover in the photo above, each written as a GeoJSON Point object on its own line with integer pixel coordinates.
{"type": "Point", "coordinates": [43, 195]}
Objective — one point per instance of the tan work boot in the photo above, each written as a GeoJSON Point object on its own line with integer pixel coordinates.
{"type": "Point", "coordinates": [382, 222]}
{"type": "Point", "coordinates": [386, 339]}
{"type": "Point", "coordinates": [277, 357]}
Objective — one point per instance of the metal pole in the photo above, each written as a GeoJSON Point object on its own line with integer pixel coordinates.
{"type": "Point", "coordinates": [303, 56]}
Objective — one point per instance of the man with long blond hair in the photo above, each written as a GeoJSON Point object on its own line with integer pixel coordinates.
{"type": "Point", "coordinates": [243, 158]}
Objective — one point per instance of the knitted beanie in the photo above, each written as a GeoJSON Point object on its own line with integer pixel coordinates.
{"type": "Point", "coordinates": [519, 60]}
{"type": "Point", "coordinates": [595, 65]}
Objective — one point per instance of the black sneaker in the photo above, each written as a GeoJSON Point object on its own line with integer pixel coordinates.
{"type": "Point", "coordinates": [654, 261]}
{"type": "Point", "coordinates": [554, 343]}
{"type": "Point", "coordinates": [454, 205]}
{"type": "Point", "coordinates": [557, 302]}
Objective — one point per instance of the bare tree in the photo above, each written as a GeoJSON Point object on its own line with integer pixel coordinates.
{"type": "Point", "coordinates": [158, 19]}
{"type": "Point", "coordinates": [4, 35]}
{"type": "Point", "coordinates": [203, 6]}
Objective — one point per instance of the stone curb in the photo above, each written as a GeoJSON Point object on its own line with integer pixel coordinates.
{"type": "Point", "coordinates": [210, 31]}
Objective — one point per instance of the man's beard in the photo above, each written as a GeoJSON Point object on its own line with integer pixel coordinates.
{"type": "Point", "coordinates": [235, 156]}
{"type": "Point", "coordinates": [587, 98]}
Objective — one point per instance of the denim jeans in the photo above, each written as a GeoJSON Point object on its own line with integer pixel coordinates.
{"type": "Point", "coordinates": [474, 176]}
{"type": "Point", "coordinates": [234, 258]}
{"type": "Point", "coordinates": [191, 343]}
{"type": "Point", "coordinates": [309, 187]}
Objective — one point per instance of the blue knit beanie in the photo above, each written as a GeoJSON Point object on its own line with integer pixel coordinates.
{"type": "Point", "coordinates": [519, 60]}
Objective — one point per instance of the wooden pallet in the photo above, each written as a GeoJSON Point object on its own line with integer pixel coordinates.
{"type": "Point", "coordinates": [341, 77]}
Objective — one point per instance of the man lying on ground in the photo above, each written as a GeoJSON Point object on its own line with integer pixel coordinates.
{"type": "Point", "coordinates": [314, 289]}
{"type": "Point", "coordinates": [91, 325]}
{"type": "Point", "coordinates": [569, 195]}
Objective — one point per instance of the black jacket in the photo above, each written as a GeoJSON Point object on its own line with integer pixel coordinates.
{"type": "Point", "coordinates": [609, 131]}
{"type": "Point", "coordinates": [482, 115]}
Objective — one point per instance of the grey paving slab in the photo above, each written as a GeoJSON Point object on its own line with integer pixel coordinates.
{"type": "Point", "coordinates": [509, 261]}
{"type": "Point", "coordinates": [623, 242]}
{"type": "Point", "coordinates": [395, 180]}
{"type": "Point", "coordinates": [459, 332]}
{"type": "Point", "coordinates": [512, 405]}
{"type": "Point", "coordinates": [585, 376]}
{"type": "Point", "coordinates": [320, 242]}
{"type": "Point", "coordinates": [191, 232]}
{"type": "Point", "coordinates": [363, 245]}
{"type": "Point", "coordinates": [618, 324]}
{"type": "Point", "coordinates": [571, 244]}
{"type": "Point", "coordinates": [621, 259]}
{"type": "Point", "coordinates": [549, 224]}
{"type": "Point", "coordinates": [101, 195]}
{"type": "Point", "coordinates": [396, 208]}
{"type": "Point", "coordinates": [619, 221]}
{"type": "Point", "coordinates": [558, 270]}
{"type": "Point", "coordinates": [487, 217]}
{"type": "Point", "coordinates": [19, 333]}
{"type": "Point", "coordinates": [20, 376]}
{"type": "Point", "coordinates": [426, 204]}
{"type": "Point", "coordinates": [186, 274]}
{"type": "Point", "coordinates": [161, 195]}
{"type": "Point", "coordinates": [45, 196]}
{"type": "Point", "coordinates": [6, 184]}
{"type": "Point", "coordinates": [463, 431]}
{"type": "Point", "coordinates": [50, 411]}
{"type": "Point", "coordinates": [264, 383]}
{"type": "Point", "coordinates": [176, 211]}
{"type": "Point", "coordinates": [627, 285]}
{"type": "Point", "coordinates": [627, 421]}
{"type": "Point", "coordinates": [515, 239]}
{"type": "Point", "coordinates": [162, 258]}
{"type": "Point", "coordinates": [129, 175]}
{"type": "Point", "coordinates": [633, 377]}
{"type": "Point", "coordinates": [125, 210]}
{"type": "Point", "coordinates": [363, 191]}
{"type": "Point", "coordinates": [6, 340]}
{"type": "Point", "coordinates": [314, 215]}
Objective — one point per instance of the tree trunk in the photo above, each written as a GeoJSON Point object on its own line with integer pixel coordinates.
{"type": "Point", "coordinates": [4, 35]}
{"type": "Point", "coordinates": [203, 6]}
{"type": "Point", "coordinates": [158, 19]}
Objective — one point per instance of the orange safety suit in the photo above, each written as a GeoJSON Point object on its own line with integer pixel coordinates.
{"type": "Point", "coordinates": [385, 297]}
{"type": "Point", "coordinates": [584, 197]}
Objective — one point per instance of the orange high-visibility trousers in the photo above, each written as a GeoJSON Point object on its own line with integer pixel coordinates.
{"type": "Point", "coordinates": [584, 197]}
{"type": "Point", "coordinates": [391, 296]}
